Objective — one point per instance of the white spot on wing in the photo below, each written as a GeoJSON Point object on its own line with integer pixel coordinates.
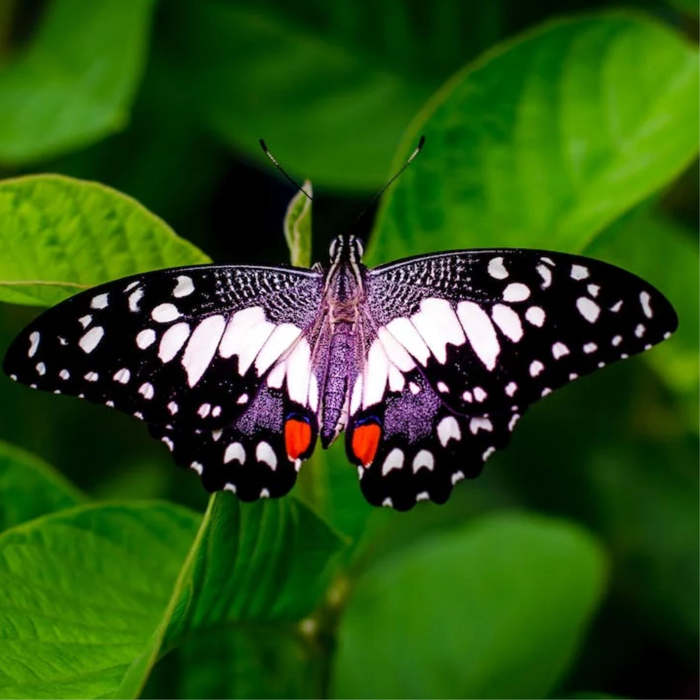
{"type": "Point", "coordinates": [85, 321]}
{"type": "Point", "coordinates": [588, 348]}
{"type": "Point", "coordinates": [183, 287]}
{"type": "Point", "coordinates": [165, 313]}
{"type": "Point", "coordinates": [480, 332]}
{"type": "Point", "coordinates": [405, 332]}
{"type": "Point", "coordinates": [616, 306]}
{"type": "Point", "coordinates": [245, 334]}
{"type": "Point", "coordinates": [536, 316]}
{"type": "Point", "coordinates": [356, 396]}
{"type": "Point", "coordinates": [396, 379]}
{"type": "Point", "coordinates": [616, 340]}
{"type": "Point", "coordinates": [546, 275]}
{"type": "Point", "coordinates": [375, 375]}
{"type": "Point", "coordinates": [536, 368]}
{"type": "Point", "coordinates": [145, 338]}
{"type": "Point", "coordinates": [33, 343]}
{"type": "Point", "coordinates": [134, 299]}
{"type": "Point", "coordinates": [91, 339]}
{"type": "Point", "coordinates": [264, 453]}
{"type": "Point", "coordinates": [423, 459]}
{"type": "Point", "coordinates": [516, 291]}
{"type": "Point", "coordinates": [64, 374]}
{"type": "Point", "coordinates": [201, 347]}
{"type": "Point", "coordinates": [204, 410]}
{"type": "Point", "coordinates": [394, 460]}
{"type": "Point", "coordinates": [395, 351]}
{"type": "Point", "coordinates": [278, 341]}
{"type": "Point", "coordinates": [511, 388]}
{"type": "Point", "coordinates": [644, 299]}
{"type": "Point", "coordinates": [579, 272]}
{"type": "Point", "coordinates": [438, 325]}
{"type": "Point", "coordinates": [173, 408]}
{"type": "Point", "coordinates": [593, 289]}
{"type": "Point", "coordinates": [91, 376]}
{"type": "Point", "coordinates": [448, 429]}
{"type": "Point", "coordinates": [234, 451]}
{"type": "Point", "coordinates": [172, 341]}
{"type": "Point", "coordinates": [196, 466]}
{"type": "Point", "coordinates": [639, 330]}
{"type": "Point", "coordinates": [479, 394]}
{"type": "Point", "coordinates": [457, 476]}
{"type": "Point", "coordinates": [588, 309]}
{"type": "Point", "coordinates": [508, 321]}
{"type": "Point", "coordinates": [559, 350]}
{"type": "Point", "coordinates": [496, 268]}
{"type": "Point", "coordinates": [487, 453]}
{"type": "Point", "coordinates": [100, 301]}
{"type": "Point", "coordinates": [40, 368]}
{"type": "Point", "coordinates": [122, 375]}
{"type": "Point", "coordinates": [443, 388]}
{"type": "Point", "coordinates": [480, 423]}
{"type": "Point", "coordinates": [146, 390]}
{"type": "Point", "coordinates": [298, 369]}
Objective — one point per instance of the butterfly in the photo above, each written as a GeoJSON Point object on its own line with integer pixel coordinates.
{"type": "Point", "coordinates": [426, 363]}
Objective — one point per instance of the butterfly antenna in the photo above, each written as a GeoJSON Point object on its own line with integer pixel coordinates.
{"type": "Point", "coordinates": [266, 151]}
{"type": "Point", "coordinates": [393, 178]}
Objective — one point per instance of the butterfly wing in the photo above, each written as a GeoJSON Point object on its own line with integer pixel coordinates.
{"type": "Point", "coordinates": [188, 350]}
{"type": "Point", "coordinates": [477, 336]}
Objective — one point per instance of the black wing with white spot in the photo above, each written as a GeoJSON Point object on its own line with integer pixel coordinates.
{"type": "Point", "coordinates": [187, 350]}
{"type": "Point", "coordinates": [477, 336]}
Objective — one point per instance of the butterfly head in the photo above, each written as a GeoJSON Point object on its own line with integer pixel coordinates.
{"type": "Point", "coordinates": [346, 248]}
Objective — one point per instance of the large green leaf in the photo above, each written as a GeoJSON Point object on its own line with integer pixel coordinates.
{"type": "Point", "coordinates": [75, 81]}
{"type": "Point", "coordinates": [81, 593]}
{"type": "Point", "coordinates": [493, 609]}
{"type": "Point", "coordinates": [61, 235]}
{"type": "Point", "coordinates": [250, 565]}
{"type": "Point", "coordinates": [260, 661]}
{"type": "Point", "coordinates": [547, 139]}
{"type": "Point", "coordinates": [29, 487]}
{"type": "Point", "coordinates": [331, 86]}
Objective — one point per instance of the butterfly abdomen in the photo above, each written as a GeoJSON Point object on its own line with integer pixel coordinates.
{"type": "Point", "coordinates": [340, 365]}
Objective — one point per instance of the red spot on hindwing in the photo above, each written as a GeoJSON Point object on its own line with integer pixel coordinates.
{"type": "Point", "coordinates": [365, 441]}
{"type": "Point", "coordinates": [297, 437]}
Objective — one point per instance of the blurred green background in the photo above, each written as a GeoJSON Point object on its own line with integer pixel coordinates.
{"type": "Point", "coordinates": [581, 137]}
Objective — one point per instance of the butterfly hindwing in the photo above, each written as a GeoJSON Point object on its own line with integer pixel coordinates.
{"type": "Point", "coordinates": [463, 342]}
{"type": "Point", "coordinates": [258, 456]}
{"type": "Point", "coordinates": [422, 448]}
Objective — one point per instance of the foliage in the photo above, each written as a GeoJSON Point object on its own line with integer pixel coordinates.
{"type": "Point", "coordinates": [554, 572]}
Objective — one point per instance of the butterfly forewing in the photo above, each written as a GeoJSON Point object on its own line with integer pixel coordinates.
{"type": "Point", "coordinates": [477, 336]}
{"type": "Point", "coordinates": [186, 350]}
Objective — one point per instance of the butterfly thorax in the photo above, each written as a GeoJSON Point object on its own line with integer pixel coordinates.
{"type": "Point", "coordinates": [340, 344]}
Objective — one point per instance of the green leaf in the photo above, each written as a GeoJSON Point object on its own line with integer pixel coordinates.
{"type": "Point", "coordinates": [61, 235]}
{"type": "Point", "coordinates": [261, 661]}
{"type": "Point", "coordinates": [81, 592]}
{"type": "Point", "coordinates": [75, 81]}
{"type": "Point", "coordinates": [492, 609]}
{"type": "Point", "coordinates": [546, 139]}
{"type": "Point", "coordinates": [29, 487]}
{"type": "Point", "coordinates": [269, 561]}
{"type": "Point", "coordinates": [297, 227]}
{"type": "Point", "coordinates": [330, 85]}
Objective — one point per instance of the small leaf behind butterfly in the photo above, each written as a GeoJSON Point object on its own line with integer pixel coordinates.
{"type": "Point", "coordinates": [297, 227]}
{"type": "Point", "coordinates": [61, 235]}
